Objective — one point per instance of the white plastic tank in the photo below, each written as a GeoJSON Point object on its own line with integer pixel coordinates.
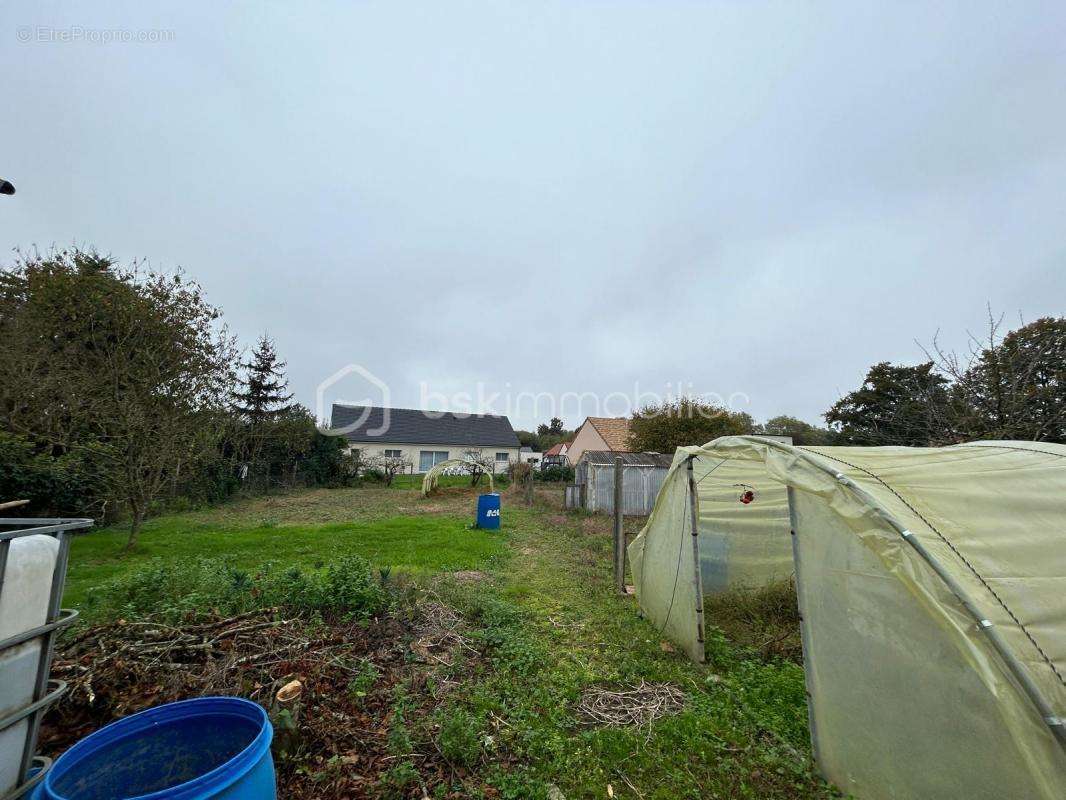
{"type": "Point", "coordinates": [24, 595]}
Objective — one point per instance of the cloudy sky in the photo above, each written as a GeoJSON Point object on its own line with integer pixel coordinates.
{"type": "Point", "coordinates": [751, 201]}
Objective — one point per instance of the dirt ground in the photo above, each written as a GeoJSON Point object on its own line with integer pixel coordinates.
{"type": "Point", "coordinates": [332, 741]}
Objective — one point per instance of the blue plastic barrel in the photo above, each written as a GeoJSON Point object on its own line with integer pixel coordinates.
{"type": "Point", "coordinates": [210, 747]}
{"type": "Point", "coordinates": [488, 511]}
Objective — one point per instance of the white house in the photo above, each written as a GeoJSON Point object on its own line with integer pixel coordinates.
{"type": "Point", "coordinates": [426, 438]}
{"type": "Point", "coordinates": [527, 455]}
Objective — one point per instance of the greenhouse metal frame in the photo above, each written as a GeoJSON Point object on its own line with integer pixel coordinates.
{"type": "Point", "coordinates": [932, 587]}
{"type": "Point", "coordinates": [431, 478]}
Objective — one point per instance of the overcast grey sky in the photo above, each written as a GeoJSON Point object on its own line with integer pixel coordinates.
{"type": "Point", "coordinates": [760, 199]}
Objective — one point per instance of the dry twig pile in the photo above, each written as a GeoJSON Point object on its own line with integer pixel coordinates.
{"type": "Point", "coordinates": [639, 705]}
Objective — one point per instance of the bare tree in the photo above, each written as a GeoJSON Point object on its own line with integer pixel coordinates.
{"type": "Point", "coordinates": [1007, 386]}
{"type": "Point", "coordinates": [477, 464]}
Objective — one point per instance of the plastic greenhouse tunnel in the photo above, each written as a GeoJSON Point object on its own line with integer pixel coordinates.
{"type": "Point", "coordinates": [931, 585]}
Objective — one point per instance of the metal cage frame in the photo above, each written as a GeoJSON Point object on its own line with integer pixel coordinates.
{"type": "Point", "coordinates": [45, 691]}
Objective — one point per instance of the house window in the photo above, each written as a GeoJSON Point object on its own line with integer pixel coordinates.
{"type": "Point", "coordinates": [428, 458]}
{"type": "Point", "coordinates": [394, 454]}
{"type": "Point", "coordinates": [502, 457]}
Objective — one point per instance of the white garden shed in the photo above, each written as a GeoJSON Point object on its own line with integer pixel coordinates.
{"type": "Point", "coordinates": [932, 587]}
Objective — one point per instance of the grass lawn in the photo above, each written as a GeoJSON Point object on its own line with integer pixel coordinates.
{"type": "Point", "coordinates": [446, 481]}
{"type": "Point", "coordinates": [561, 630]}
{"type": "Point", "coordinates": [417, 545]}
{"type": "Point", "coordinates": [544, 629]}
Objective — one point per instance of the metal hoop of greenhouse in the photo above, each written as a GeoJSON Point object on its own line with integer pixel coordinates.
{"type": "Point", "coordinates": [429, 482]}
{"type": "Point", "coordinates": [931, 584]}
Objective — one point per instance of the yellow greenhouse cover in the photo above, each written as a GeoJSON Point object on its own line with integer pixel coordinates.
{"type": "Point", "coordinates": [932, 586]}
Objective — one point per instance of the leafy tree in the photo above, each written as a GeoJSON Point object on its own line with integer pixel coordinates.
{"type": "Point", "coordinates": [124, 361]}
{"type": "Point", "coordinates": [528, 439]}
{"type": "Point", "coordinates": [215, 477]}
{"type": "Point", "coordinates": [553, 428]}
{"type": "Point", "coordinates": [1012, 387]}
{"type": "Point", "coordinates": [293, 451]}
{"type": "Point", "coordinates": [551, 434]}
{"type": "Point", "coordinates": [261, 395]}
{"type": "Point", "coordinates": [327, 462]}
{"type": "Point", "coordinates": [285, 442]}
{"type": "Point", "coordinates": [896, 405]}
{"type": "Point", "coordinates": [665, 427]}
{"type": "Point", "coordinates": [802, 433]}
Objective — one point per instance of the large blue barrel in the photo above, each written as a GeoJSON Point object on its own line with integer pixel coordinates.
{"type": "Point", "coordinates": [488, 511]}
{"type": "Point", "coordinates": [210, 747]}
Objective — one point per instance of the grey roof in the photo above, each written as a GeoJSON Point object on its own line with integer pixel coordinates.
{"type": "Point", "coordinates": [629, 459]}
{"type": "Point", "coordinates": [413, 426]}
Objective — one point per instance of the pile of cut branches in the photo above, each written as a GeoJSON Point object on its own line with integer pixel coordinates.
{"type": "Point", "coordinates": [251, 654]}
{"type": "Point", "coordinates": [439, 634]}
{"type": "Point", "coordinates": [341, 746]}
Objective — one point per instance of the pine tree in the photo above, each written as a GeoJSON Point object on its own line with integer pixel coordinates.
{"type": "Point", "coordinates": [263, 396]}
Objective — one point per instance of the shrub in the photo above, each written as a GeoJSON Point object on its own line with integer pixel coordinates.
{"type": "Point", "coordinates": [327, 462]}
{"type": "Point", "coordinates": [69, 484]}
{"type": "Point", "coordinates": [347, 587]}
{"type": "Point", "coordinates": [372, 475]}
{"type": "Point", "coordinates": [557, 474]}
{"type": "Point", "coordinates": [212, 482]}
{"type": "Point", "coordinates": [518, 471]}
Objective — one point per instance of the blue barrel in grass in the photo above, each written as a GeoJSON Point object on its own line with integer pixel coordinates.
{"type": "Point", "coordinates": [210, 748]}
{"type": "Point", "coordinates": [488, 512]}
